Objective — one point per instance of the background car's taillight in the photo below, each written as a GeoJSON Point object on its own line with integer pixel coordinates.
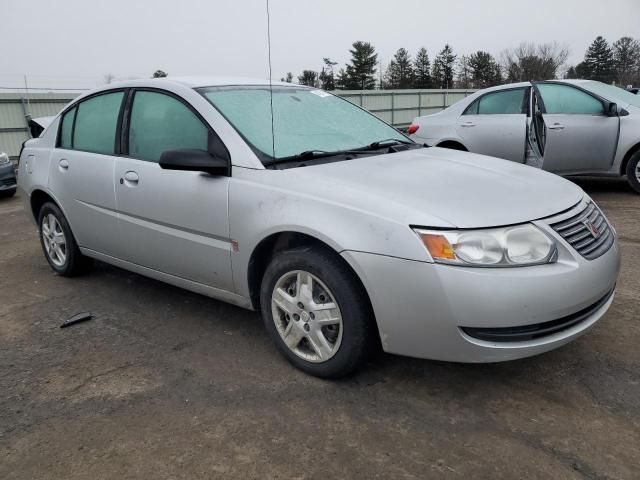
{"type": "Point", "coordinates": [413, 128]}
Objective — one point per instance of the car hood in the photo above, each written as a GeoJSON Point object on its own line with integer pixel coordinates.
{"type": "Point", "coordinates": [436, 187]}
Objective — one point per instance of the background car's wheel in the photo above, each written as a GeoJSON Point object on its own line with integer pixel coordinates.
{"type": "Point", "coordinates": [59, 246]}
{"type": "Point", "coordinates": [317, 313]}
{"type": "Point", "coordinates": [633, 171]}
{"type": "Point", "coordinates": [8, 193]}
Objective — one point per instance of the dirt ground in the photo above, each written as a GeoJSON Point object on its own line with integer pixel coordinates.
{"type": "Point", "coordinates": [164, 383]}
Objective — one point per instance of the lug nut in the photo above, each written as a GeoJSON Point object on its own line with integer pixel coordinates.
{"type": "Point", "coordinates": [312, 315]}
{"type": "Point", "coordinates": [296, 317]}
{"type": "Point", "coordinates": [306, 327]}
{"type": "Point", "coordinates": [300, 305]}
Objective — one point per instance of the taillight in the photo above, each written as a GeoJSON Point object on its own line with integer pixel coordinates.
{"type": "Point", "coordinates": [413, 128]}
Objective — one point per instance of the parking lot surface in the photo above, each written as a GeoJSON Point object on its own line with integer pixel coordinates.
{"type": "Point", "coordinates": [164, 383]}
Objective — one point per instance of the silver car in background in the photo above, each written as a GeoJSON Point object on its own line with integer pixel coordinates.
{"type": "Point", "coordinates": [346, 235]}
{"type": "Point", "coordinates": [569, 127]}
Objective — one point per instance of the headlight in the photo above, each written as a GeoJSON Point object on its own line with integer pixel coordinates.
{"type": "Point", "coordinates": [495, 247]}
{"type": "Point", "coordinates": [4, 158]}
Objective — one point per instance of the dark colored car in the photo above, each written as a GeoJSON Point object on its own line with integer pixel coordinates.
{"type": "Point", "coordinates": [7, 176]}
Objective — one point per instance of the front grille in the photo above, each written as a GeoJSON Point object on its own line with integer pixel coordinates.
{"type": "Point", "coordinates": [8, 181]}
{"type": "Point", "coordinates": [536, 330]}
{"type": "Point", "coordinates": [588, 232]}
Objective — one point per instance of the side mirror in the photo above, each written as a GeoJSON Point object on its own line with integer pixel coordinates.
{"type": "Point", "coordinates": [195, 160]}
{"type": "Point", "coordinates": [611, 109]}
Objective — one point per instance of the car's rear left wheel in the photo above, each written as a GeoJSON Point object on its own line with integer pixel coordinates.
{"type": "Point", "coordinates": [316, 312]}
{"type": "Point", "coordinates": [58, 244]}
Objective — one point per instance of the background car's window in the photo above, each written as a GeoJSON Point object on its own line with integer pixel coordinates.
{"type": "Point", "coordinates": [67, 128]}
{"type": "Point", "coordinates": [159, 123]}
{"type": "Point", "coordinates": [559, 98]}
{"type": "Point", "coordinates": [507, 102]}
{"type": "Point", "coordinates": [96, 123]}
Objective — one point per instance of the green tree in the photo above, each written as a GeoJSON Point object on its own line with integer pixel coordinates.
{"type": "Point", "coordinates": [308, 78]}
{"type": "Point", "coordinates": [400, 73]}
{"type": "Point", "coordinates": [159, 74]}
{"type": "Point", "coordinates": [422, 70]}
{"type": "Point", "coordinates": [342, 81]}
{"type": "Point", "coordinates": [599, 61]}
{"type": "Point", "coordinates": [626, 55]}
{"type": "Point", "coordinates": [361, 71]}
{"type": "Point", "coordinates": [327, 79]}
{"type": "Point", "coordinates": [443, 68]}
{"type": "Point", "coordinates": [485, 71]}
{"type": "Point", "coordinates": [288, 78]}
{"type": "Point", "coordinates": [463, 79]}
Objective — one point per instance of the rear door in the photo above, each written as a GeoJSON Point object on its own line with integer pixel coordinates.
{"type": "Point", "coordinates": [81, 172]}
{"type": "Point", "coordinates": [175, 222]}
{"type": "Point", "coordinates": [577, 135]}
{"type": "Point", "coordinates": [496, 124]}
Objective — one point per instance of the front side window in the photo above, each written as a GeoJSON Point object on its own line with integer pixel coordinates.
{"type": "Point", "coordinates": [96, 123]}
{"type": "Point", "coordinates": [498, 103]}
{"type": "Point", "coordinates": [303, 120]}
{"type": "Point", "coordinates": [564, 99]}
{"type": "Point", "coordinates": [161, 122]}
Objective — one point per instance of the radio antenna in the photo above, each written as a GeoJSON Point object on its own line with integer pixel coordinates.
{"type": "Point", "coordinates": [273, 133]}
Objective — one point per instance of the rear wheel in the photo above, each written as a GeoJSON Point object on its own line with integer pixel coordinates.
{"type": "Point", "coordinates": [59, 246]}
{"type": "Point", "coordinates": [316, 312]}
{"type": "Point", "coordinates": [633, 171]}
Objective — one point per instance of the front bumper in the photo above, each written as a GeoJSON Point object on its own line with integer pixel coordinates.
{"type": "Point", "coordinates": [422, 308]}
{"type": "Point", "coordinates": [7, 177]}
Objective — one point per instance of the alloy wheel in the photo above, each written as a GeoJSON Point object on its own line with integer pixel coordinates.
{"type": "Point", "coordinates": [53, 239]}
{"type": "Point", "coordinates": [307, 316]}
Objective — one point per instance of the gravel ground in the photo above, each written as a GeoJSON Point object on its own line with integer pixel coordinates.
{"type": "Point", "coordinates": [164, 383]}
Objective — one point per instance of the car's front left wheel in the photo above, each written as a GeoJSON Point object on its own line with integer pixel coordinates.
{"type": "Point", "coordinates": [58, 244]}
{"type": "Point", "coordinates": [317, 313]}
{"type": "Point", "coordinates": [633, 171]}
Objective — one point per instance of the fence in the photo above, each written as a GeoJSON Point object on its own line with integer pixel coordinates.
{"type": "Point", "coordinates": [397, 107]}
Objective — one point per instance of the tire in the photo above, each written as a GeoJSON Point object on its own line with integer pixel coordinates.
{"type": "Point", "coordinates": [633, 171]}
{"type": "Point", "coordinates": [60, 248]}
{"type": "Point", "coordinates": [8, 193]}
{"type": "Point", "coordinates": [348, 343]}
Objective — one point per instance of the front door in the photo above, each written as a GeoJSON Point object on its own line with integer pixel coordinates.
{"type": "Point", "coordinates": [578, 137]}
{"type": "Point", "coordinates": [81, 172]}
{"type": "Point", "coordinates": [175, 222]}
{"type": "Point", "coordinates": [496, 124]}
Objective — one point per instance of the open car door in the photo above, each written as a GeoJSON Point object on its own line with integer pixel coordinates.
{"type": "Point", "coordinates": [575, 131]}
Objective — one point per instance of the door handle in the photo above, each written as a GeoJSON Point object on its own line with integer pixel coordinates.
{"type": "Point", "coordinates": [64, 164]}
{"type": "Point", "coordinates": [131, 178]}
{"type": "Point", "coordinates": [468, 124]}
{"type": "Point", "coordinates": [556, 126]}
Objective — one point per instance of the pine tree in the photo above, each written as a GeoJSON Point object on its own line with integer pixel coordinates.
{"type": "Point", "coordinates": [360, 73]}
{"type": "Point", "coordinates": [443, 68]}
{"type": "Point", "coordinates": [327, 79]}
{"type": "Point", "coordinates": [400, 72]}
{"type": "Point", "coordinates": [342, 81]}
{"type": "Point", "coordinates": [308, 78]}
{"type": "Point", "coordinates": [422, 67]}
{"type": "Point", "coordinates": [599, 61]}
{"type": "Point", "coordinates": [485, 71]}
{"type": "Point", "coordinates": [626, 55]}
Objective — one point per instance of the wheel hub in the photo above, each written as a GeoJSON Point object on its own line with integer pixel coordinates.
{"type": "Point", "coordinates": [311, 329]}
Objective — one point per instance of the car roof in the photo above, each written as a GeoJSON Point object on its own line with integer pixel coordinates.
{"type": "Point", "coordinates": [199, 81]}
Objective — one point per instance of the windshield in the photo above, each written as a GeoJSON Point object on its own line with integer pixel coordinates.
{"type": "Point", "coordinates": [303, 120]}
{"type": "Point", "coordinates": [613, 93]}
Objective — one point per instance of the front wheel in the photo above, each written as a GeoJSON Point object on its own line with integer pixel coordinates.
{"type": "Point", "coordinates": [316, 312]}
{"type": "Point", "coordinates": [633, 171]}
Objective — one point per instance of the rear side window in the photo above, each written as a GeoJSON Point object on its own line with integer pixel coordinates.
{"type": "Point", "coordinates": [559, 98]}
{"type": "Point", "coordinates": [67, 128]}
{"type": "Point", "coordinates": [500, 103]}
{"type": "Point", "coordinates": [159, 123]}
{"type": "Point", "coordinates": [96, 123]}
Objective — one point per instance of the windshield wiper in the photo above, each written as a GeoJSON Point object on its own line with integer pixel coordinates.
{"type": "Point", "coordinates": [389, 142]}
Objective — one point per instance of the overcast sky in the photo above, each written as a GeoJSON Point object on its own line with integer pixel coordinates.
{"type": "Point", "coordinates": [74, 43]}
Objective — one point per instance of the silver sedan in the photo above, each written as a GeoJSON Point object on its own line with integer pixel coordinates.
{"type": "Point", "coordinates": [346, 235]}
{"type": "Point", "coordinates": [569, 127]}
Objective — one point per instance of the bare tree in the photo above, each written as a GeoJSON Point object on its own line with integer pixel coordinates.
{"type": "Point", "coordinates": [528, 61]}
{"type": "Point", "coordinates": [108, 78]}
